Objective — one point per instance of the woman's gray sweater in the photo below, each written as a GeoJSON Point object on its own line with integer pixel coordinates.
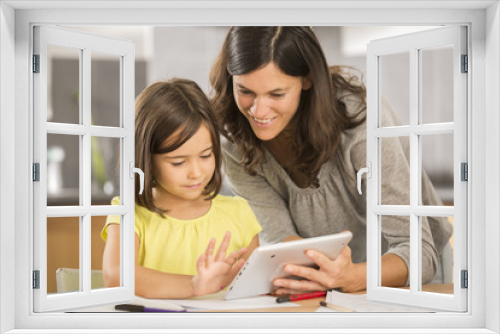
{"type": "Point", "coordinates": [283, 209]}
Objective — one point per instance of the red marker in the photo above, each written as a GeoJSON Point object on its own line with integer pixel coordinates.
{"type": "Point", "coordinates": [301, 296]}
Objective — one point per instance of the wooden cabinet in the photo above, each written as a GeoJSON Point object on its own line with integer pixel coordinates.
{"type": "Point", "coordinates": [63, 246]}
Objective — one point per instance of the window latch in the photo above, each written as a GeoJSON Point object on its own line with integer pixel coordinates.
{"type": "Point", "coordinates": [368, 171]}
{"type": "Point", "coordinates": [141, 175]}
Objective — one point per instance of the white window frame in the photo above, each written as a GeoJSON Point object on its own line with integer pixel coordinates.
{"type": "Point", "coordinates": [123, 50]}
{"type": "Point", "coordinates": [415, 210]}
{"type": "Point", "coordinates": [484, 147]}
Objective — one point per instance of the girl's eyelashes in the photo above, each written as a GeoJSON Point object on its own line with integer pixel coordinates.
{"type": "Point", "coordinates": [180, 163]}
{"type": "Point", "coordinates": [177, 164]}
{"type": "Point", "coordinates": [276, 95]}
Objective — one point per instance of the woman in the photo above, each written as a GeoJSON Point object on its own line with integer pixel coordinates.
{"type": "Point", "coordinates": [296, 138]}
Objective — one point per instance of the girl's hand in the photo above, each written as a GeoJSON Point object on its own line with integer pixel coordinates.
{"type": "Point", "coordinates": [215, 273]}
{"type": "Point", "coordinates": [340, 273]}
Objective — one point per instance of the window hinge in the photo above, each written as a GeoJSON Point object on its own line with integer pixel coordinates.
{"type": "Point", "coordinates": [36, 63]}
{"type": "Point", "coordinates": [465, 279]}
{"type": "Point", "coordinates": [465, 64]}
{"type": "Point", "coordinates": [36, 172]}
{"type": "Point", "coordinates": [36, 279]}
{"type": "Point", "coordinates": [464, 171]}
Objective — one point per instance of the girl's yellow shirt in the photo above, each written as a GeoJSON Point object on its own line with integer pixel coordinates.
{"type": "Point", "coordinates": [172, 245]}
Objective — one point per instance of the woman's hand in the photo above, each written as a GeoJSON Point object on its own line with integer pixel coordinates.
{"type": "Point", "coordinates": [216, 272]}
{"type": "Point", "coordinates": [340, 273]}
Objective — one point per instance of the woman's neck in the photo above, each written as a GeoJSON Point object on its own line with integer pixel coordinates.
{"type": "Point", "coordinates": [284, 152]}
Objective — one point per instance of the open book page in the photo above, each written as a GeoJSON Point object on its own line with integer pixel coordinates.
{"type": "Point", "coordinates": [360, 303]}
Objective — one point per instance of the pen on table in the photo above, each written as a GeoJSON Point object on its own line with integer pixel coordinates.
{"type": "Point", "coordinates": [301, 296]}
{"type": "Point", "coordinates": [141, 308]}
{"type": "Point", "coordinates": [336, 307]}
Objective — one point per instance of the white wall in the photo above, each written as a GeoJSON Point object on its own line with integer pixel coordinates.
{"type": "Point", "coordinates": [186, 52]}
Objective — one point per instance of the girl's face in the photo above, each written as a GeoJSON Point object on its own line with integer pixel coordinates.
{"type": "Point", "coordinates": [268, 98]}
{"type": "Point", "coordinates": [184, 173]}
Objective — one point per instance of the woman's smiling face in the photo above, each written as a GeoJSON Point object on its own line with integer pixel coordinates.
{"type": "Point", "coordinates": [268, 98]}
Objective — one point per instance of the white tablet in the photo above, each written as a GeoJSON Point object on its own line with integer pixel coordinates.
{"type": "Point", "coordinates": [266, 263]}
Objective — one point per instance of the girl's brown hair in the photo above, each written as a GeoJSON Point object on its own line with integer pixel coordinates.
{"type": "Point", "coordinates": [321, 116]}
{"type": "Point", "coordinates": [161, 110]}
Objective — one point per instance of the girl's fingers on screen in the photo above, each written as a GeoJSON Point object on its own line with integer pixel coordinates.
{"type": "Point", "coordinates": [236, 268]}
{"type": "Point", "coordinates": [232, 258]}
{"type": "Point", "coordinates": [209, 253]}
{"type": "Point", "coordinates": [221, 252]}
{"type": "Point", "coordinates": [200, 262]}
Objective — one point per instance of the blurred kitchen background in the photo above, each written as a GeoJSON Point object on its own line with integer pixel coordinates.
{"type": "Point", "coordinates": [189, 52]}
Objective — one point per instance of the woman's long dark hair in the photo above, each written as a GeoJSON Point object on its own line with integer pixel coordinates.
{"type": "Point", "coordinates": [321, 116]}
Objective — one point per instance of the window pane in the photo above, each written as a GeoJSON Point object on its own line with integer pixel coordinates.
{"type": "Point", "coordinates": [394, 177]}
{"type": "Point", "coordinates": [63, 84]}
{"type": "Point", "coordinates": [395, 229]}
{"type": "Point", "coordinates": [98, 223]}
{"type": "Point", "coordinates": [63, 254]}
{"type": "Point", "coordinates": [437, 161]}
{"type": "Point", "coordinates": [105, 169]}
{"type": "Point", "coordinates": [444, 273]}
{"type": "Point", "coordinates": [63, 169]}
{"type": "Point", "coordinates": [395, 83]}
{"type": "Point", "coordinates": [437, 84]}
{"type": "Point", "coordinates": [105, 89]}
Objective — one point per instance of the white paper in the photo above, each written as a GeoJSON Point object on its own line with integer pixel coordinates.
{"type": "Point", "coordinates": [213, 302]}
{"type": "Point", "coordinates": [216, 302]}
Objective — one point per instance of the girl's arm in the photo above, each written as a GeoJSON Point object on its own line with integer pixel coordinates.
{"type": "Point", "coordinates": [217, 271]}
{"type": "Point", "coordinates": [251, 247]}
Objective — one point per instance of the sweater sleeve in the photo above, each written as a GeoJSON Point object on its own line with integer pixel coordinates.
{"type": "Point", "coordinates": [395, 189]}
{"type": "Point", "coordinates": [269, 207]}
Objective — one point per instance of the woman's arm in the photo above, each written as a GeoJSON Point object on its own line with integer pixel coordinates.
{"type": "Point", "coordinates": [214, 271]}
{"type": "Point", "coordinates": [340, 273]}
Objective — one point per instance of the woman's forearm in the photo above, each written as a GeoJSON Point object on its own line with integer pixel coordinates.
{"type": "Point", "coordinates": [394, 274]}
{"type": "Point", "coordinates": [394, 271]}
{"type": "Point", "coordinates": [153, 284]}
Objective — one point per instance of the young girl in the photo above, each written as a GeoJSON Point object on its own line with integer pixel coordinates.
{"type": "Point", "coordinates": [180, 216]}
